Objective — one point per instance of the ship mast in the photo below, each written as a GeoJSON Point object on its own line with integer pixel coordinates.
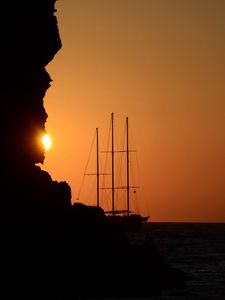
{"type": "Point", "coordinates": [113, 188]}
{"type": "Point", "coordinates": [128, 179]}
{"type": "Point", "coordinates": [127, 186]}
{"type": "Point", "coordinates": [127, 167]}
{"type": "Point", "coordinates": [97, 168]}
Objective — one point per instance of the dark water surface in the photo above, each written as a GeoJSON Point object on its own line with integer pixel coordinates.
{"type": "Point", "coordinates": [199, 250]}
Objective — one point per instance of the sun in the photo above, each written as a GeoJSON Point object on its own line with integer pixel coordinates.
{"type": "Point", "coordinates": [46, 141]}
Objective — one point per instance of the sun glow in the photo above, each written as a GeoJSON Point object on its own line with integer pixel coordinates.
{"type": "Point", "coordinates": [46, 141]}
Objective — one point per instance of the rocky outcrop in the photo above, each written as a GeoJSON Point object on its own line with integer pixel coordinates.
{"type": "Point", "coordinates": [29, 41]}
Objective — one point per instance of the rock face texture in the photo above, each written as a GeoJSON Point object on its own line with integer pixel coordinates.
{"type": "Point", "coordinates": [52, 249]}
{"type": "Point", "coordinates": [29, 41]}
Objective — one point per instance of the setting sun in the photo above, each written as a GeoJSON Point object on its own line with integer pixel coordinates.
{"type": "Point", "coordinates": [46, 141]}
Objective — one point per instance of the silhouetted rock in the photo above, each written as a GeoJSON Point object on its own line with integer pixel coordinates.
{"type": "Point", "coordinates": [29, 41]}
{"type": "Point", "coordinates": [51, 248]}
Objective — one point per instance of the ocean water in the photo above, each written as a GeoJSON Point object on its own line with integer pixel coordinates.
{"type": "Point", "coordinates": [196, 248]}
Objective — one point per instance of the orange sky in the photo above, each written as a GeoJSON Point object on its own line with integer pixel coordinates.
{"type": "Point", "coordinates": [162, 64]}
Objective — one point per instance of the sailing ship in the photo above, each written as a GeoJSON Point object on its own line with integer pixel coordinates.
{"type": "Point", "coordinates": [125, 218]}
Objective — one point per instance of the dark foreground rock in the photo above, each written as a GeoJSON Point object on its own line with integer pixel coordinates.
{"type": "Point", "coordinates": [80, 253]}
{"type": "Point", "coordinates": [51, 249]}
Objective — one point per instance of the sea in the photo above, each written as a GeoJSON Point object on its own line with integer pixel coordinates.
{"type": "Point", "coordinates": [196, 248]}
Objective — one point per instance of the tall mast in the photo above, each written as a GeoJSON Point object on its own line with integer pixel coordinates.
{"type": "Point", "coordinates": [112, 163]}
{"type": "Point", "coordinates": [97, 167]}
{"type": "Point", "coordinates": [128, 179]}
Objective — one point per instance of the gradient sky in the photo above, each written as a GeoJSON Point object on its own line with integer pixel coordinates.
{"type": "Point", "coordinates": [162, 64]}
